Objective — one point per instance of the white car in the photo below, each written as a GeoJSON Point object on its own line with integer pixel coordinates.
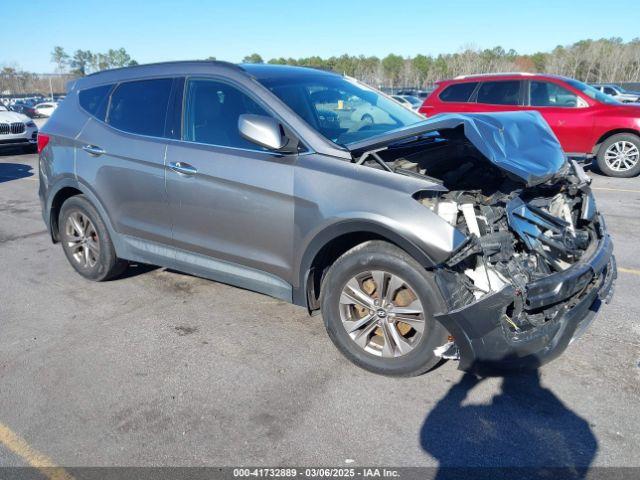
{"type": "Point", "coordinates": [45, 109]}
{"type": "Point", "coordinates": [409, 101]}
{"type": "Point", "coordinates": [17, 129]}
{"type": "Point", "coordinates": [618, 93]}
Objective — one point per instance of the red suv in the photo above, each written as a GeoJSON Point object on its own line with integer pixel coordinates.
{"type": "Point", "coordinates": [587, 122]}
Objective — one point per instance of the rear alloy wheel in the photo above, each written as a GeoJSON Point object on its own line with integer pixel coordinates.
{"type": "Point", "coordinates": [86, 242]}
{"type": "Point", "coordinates": [377, 304]}
{"type": "Point", "coordinates": [82, 240]}
{"type": "Point", "coordinates": [619, 156]}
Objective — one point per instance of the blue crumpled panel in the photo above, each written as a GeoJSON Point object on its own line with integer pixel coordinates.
{"type": "Point", "coordinates": [520, 143]}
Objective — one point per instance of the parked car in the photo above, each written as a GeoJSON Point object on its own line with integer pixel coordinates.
{"type": "Point", "coordinates": [463, 236]}
{"type": "Point", "coordinates": [415, 93]}
{"type": "Point", "coordinates": [26, 108]}
{"type": "Point", "coordinates": [618, 93]}
{"type": "Point", "coordinates": [17, 129]}
{"type": "Point", "coordinates": [409, 101]}
{"type": "Point", "coordinates": [45, 109]}
{"type": "Point", "coordinates": [587, 122]}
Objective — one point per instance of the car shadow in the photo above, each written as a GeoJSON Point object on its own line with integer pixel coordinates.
{"type": "Point", "coordinates": [134, 269]}
{"type": "Point", "coordinates": [524, 432]}
{"type": "Point", "coordinates": [14, 171]}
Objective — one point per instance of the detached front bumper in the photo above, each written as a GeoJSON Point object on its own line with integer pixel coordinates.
{"type": "Point", "coordinates": [485, 340]}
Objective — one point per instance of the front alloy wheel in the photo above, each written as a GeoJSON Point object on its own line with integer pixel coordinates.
{"type": "Point", "coordinates": [378, 305]}
{"type": "Point", "coordinates": [382, 314]}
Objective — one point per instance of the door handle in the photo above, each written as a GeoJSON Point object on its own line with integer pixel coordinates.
{"type": "Point", "coordinates": [183, 168]}
{"type": "Point", "coordinates": [93, 150]}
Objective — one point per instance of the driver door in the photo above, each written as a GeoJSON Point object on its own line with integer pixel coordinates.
{"type": "Point", "coordinates": [231, 201]}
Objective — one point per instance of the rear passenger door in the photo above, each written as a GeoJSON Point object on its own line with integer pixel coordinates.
{"type": "Point", "coordinates": [120, 156]}
{"type": "Point", "coordinates": [230, 199]}
{"type": "Point", "coordinates": [453, 99]}
{"type": "Point", "coordinates": [499, 96]}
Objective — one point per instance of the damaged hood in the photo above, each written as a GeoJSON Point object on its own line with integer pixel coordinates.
{"type": "Point", "coordinates": [520, 143]}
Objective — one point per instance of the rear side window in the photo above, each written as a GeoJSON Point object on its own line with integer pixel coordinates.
{"type": "Point", "coordinates": [500, 93]}
{"type": "Point", "coordinates": [141, 106]}
{"type": "Point", "coordinates": [94, 100]}
{"type": "Point", "coordinates": [458, 92]}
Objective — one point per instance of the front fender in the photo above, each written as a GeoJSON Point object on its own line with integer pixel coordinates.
{"type": "Point", "coordinates": [341, 227]}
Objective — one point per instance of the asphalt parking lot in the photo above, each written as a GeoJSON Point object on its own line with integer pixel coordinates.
{"type": "Point", "coordinates": [160, 368]}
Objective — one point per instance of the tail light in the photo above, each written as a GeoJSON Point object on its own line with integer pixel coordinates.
{"type": "Point", "coordinates": [43, 140]}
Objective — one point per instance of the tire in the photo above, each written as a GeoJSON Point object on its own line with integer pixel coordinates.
{"type": "Point", "coordinates": [394, 267]}
{"type": "Point", "coordinates": [608, 155]}
{"type": "Point", "coordinates": [86, 241]}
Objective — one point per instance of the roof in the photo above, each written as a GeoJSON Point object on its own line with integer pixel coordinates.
{"type": "Point", "coordinates": [505, 75]}
{"type": "Point", "coordinates": [147, 66]}
{"type": "Point", "coordinates": [195, 67]}
{"type": "Point", "coordinates": [263, 71]}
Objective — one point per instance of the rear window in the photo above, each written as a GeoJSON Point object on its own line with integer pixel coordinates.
{"type": "Point", "coordinates": [141, 106]}
{"type": "Point", "coordinates": [500, 93]}
{"type": "Point", "coordinates": [458, 92]}
{"type": "Point", "coordinates": [94, 100]}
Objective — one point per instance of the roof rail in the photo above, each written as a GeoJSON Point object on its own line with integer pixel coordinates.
{"type": "Point", "coordinates": [474, 75]}
{"type": "Point", "coordinates": [173, 62]}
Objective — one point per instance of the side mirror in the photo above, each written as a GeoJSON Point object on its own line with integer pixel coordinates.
{"type": "Point", "coordinates": [263, 131]}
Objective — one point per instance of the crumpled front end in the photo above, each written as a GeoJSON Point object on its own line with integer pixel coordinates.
{"type": "Point", "coordinates": [537, 260]}
{"type": "Point", "coordinates": [537, 264]}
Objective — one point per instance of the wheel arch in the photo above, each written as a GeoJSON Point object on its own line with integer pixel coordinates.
{"type": "Point", "coordinates": [611, 133]}
{"type": "Point", "coordinates": [331, 243]}
{"type": "Point", "coordinates": [63, 191]}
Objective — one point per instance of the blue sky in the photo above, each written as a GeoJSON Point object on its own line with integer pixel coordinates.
{"type": "Point", "coordinates": [162, 30]}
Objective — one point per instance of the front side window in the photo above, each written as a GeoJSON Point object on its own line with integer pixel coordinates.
{"type": "Point", "coordinates": [94, 100]}
{"type": "Point", "coordinates": [610, 91]}
{"type": "Point", "coordinates": [547, 94]}
{"type": "Point", "coordinates": [211, 114]}
{"type": "Point", "coordinates": [140, 106]}
{"type": "Point", "coordinates": [500, 93]}
{"type": "Point", "coordinates": [342, 110]}
{"type": "Point", "coordinates": [458, 92]}
{"type": "Point", "coordinates": [591, 92]}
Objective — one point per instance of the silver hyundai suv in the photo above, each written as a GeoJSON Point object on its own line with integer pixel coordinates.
{"type": "Point", "coordinates": [465, 237]}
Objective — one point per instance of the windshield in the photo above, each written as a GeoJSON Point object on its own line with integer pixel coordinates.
{"type": "Point", "coordinates": [413, 100]}
{"type": "Point", "coordinates": [592, 92]}
{"type": "Point", "coordinates": [341, 109]}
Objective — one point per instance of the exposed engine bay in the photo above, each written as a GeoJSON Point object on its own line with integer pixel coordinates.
{"type": "Point", "coordinates": [517, 232]}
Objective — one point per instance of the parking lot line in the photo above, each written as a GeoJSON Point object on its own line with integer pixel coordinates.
{"type": "Point", "coordinates": [20, 447]}
{"type": "Point", "coordinates": [615, 189]}
{"type": "Point", "coordinates": [633, 271]}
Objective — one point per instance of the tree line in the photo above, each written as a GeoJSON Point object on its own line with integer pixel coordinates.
{"type": "Point", "coordinates": [603, 60]}
{"type": "Point", "coordinates": [82, 62]}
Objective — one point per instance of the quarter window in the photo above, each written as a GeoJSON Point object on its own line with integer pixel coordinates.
{"type": "Point", "coordinates": [94, 100]}
{"type": "Point", "coordinates": [500, 93]}
{"type": "Point", "coordinates": [548, 94]}
{"type": "Point", "coordinates": [141, 106]}
{"type": "Point", "coordinates": [212, 111]}
{"type": "Point", "coordinates": [458, 92]}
